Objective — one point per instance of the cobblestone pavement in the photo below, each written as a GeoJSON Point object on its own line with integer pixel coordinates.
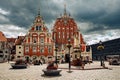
{"type": "Point", "coordinates": [35, 73]}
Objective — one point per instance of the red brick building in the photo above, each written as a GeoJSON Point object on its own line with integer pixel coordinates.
{"type": "Point", "coordinates": [38, 43]}
{"type": "Point", "coordinates": [66, 28]}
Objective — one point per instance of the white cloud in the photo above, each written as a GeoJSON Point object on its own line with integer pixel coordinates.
{"type": "Point", "coordinates": [3, 19]}
{"type": "Point", "coordinates": [12, 31]}
{"type": "Point", "coordinates": [85, 26]}
{"type": "Point", "coordinates": [75, 7]}
{"type": "Point", "coordinates": [95, 37]}
{"type": "Point", "coordinates": [4, 12]}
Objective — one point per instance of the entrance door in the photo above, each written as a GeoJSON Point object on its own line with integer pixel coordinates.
{"type": "Point", "coordinates": [67, 58]}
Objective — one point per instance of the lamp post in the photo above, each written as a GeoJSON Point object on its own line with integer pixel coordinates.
{"type": "Point", "coordinates": [100, 48]}
{"type": "Point", "coordinates": [10, 49]}
{"type": "Point", "coordinates": [56, 49]}
{"type": "Point", "coordinates": [80, 52]}
{"type": "Point", "coordinates": [69, 46]}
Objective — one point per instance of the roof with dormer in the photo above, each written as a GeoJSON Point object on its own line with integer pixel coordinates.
{"type": "Point", "coordinates": [11, 40]}
{"type": "Point", "coordinates": [19, 40]}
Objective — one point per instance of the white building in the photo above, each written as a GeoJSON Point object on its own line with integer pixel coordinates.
{"type": "Point", "coordinates": [19, 47]}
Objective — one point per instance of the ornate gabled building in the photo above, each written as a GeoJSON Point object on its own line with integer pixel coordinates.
{"type": "Point", "coordinates": [38, 43]}
{"type": "Point", "coordinates": [66, 28]}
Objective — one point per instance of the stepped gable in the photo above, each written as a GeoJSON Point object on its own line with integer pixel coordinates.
{"type": "Point", "coordinates": [38, 25]}
{"type": "Point", "coordinates": [65, 27]}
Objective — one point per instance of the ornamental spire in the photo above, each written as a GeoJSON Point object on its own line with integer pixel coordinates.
{"type": "Point", "coordinates": [65, 13]}
{"type": "Point", "coordinates": [39, 12]}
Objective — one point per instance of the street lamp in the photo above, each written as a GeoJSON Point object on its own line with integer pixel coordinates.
{"type": "Point", "coordinates": [69, 46]}
{"type": "Point", "coordinates": [56, 49]}
{"type": "Point", "coordinates": [80, 52]}
{"type": "Point", "coordinates": [10, 49]}
{"type": "Point", "coordinates": [100, 48]}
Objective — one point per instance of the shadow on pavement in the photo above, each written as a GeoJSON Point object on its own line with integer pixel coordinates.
{"type": "Point", "coordinates": [43, 75]}
{"type": "Point", "coordinates": [86, 68]}
{"type": "Point", "coordinates": [16, 68]}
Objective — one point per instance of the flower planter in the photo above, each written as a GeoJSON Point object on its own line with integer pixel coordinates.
{"type": "Point", "coordinates": [48, 72]}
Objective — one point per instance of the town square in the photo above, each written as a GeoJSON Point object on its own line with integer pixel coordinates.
{"type": "Point", "coordinates": [54, 40]}
{"type": "Point", "coordinates": [92, 72]}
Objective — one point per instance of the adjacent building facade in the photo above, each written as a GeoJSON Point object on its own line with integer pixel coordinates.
{"type": "Point", "coordinates": [12, 51]}
{"type": "Point", "coordinates": [111, 47]}
{"type": "Point", "coordinates": [4, 51]}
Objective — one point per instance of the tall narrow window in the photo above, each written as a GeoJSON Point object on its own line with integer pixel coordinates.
{"type": "Point", "coordinates": [34, 40]}
{"type": "Point", "coordinates": [63, 35]}
{"type": "Point", "coordinates": [54, 36]}
{"type": "Point", "coordinates": [42, 41]}
{"type": "Point", "coordinates": [37, 28]}
{"type": "Point", "coordinates": [59, 34]}
{"type": "Point", "coordinates": [42, 50]}
{"type": "Point", "coordinates": [40, 28]}
{"type": "Point", "coordinates": [49, 49]}
{"type": "Point", "coordinates": [67, 35]}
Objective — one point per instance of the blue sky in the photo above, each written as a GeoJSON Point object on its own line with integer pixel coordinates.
{"type": "Point", "coordinates": [97, 19]}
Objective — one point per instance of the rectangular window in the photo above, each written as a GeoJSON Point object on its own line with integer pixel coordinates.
{"type": "Point", "coordinates": [37, 28]}
{"type": "Point", "coordinates": [34, 49]}
{"type": "Point", "coordinates": [54, 36]}
{"type": "Point", "coordinates": [42, 41]}
{"type": "Point", "coordinates": [26, 49]}
{"type": "Point", "coordinates": [49, 49]}
{"type": "Point", "coordinates": [41, 50]}
{"type": "Point", "coordinates": [63, 35]}
{"type": "Point", "coordinates": [34, 40]}
{"type": "Point", "coordinates": [40, 28]}
{"type": "Point", "coordinates": [59, 34]}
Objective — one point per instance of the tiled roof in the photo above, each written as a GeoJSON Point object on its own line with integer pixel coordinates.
{"type": "Point", "coordinates": [11, 39]}
{"type": "Point", "coordinates": [19, 40]}
{"type": "Point", "coordinates": [2, 37]}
